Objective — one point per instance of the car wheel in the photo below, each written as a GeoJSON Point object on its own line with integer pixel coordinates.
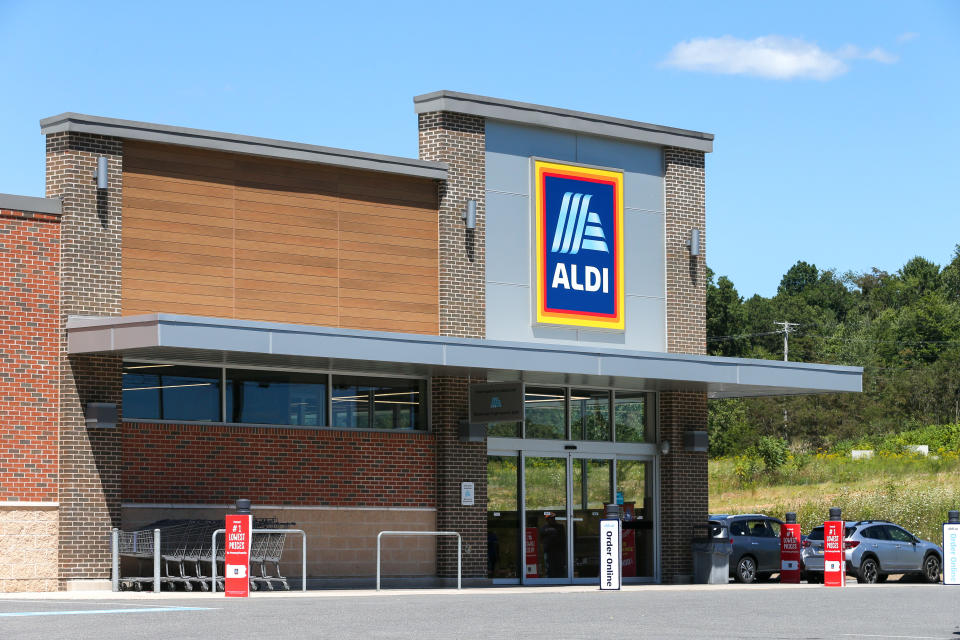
{"type": "Point", "coordinates": [869, 571]}
{"type": "Point", "coordinates": [931, 569]}
{"type": "Point", "coordinates": [746, 570]}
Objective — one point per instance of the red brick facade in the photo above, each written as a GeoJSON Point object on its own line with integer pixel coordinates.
{"type": "Point", "coordinates": [206, 464]}
{"type": "Point", "coordinates": [30, 354]}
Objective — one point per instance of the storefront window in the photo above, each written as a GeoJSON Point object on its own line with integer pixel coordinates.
{"type": "Point", "coordinates": [503, 519]}
{"type": "Point", "coordinates": [589, 415]}
{"type": "Point", "coordinates": [276, 397]}
{"type": "Point", "coordinates": [635, 485]}
{"type": "Point", "coordinates": [171, 392]}
{"type": "Point", "coordinates": [379, 403]}
{"type": "Point", "coordinates": [544, 413]}
{"type": "Point", "coordinates": [504, 429]}
{"type": "Point", "coordinates": [631, 417]}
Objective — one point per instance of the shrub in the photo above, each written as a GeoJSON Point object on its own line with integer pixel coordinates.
{"type": "Point", "coordinates": [773, 452]}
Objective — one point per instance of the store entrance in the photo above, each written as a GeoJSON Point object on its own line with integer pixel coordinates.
{"type": "Point", "coordinates": [555, 537]}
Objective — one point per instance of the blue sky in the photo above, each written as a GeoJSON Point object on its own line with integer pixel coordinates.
{"type": "Point", "coordinates": [836, 123]}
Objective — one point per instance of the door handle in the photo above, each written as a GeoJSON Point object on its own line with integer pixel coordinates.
{"type": "Point", "coordinates": [754, 543]}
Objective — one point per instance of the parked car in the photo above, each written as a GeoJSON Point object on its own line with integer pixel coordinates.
{"type": "Point", "coordinates": [756, 545]}
{"type": "Point", "coordinates": [874, 549]}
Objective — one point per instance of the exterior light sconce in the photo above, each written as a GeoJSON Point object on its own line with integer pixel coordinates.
{"type": "Point", "coordinates": [664, 447]}
{"type": "Point", "coordinates": [694, 242]}
{"type": "Point", "coordinates": [101, 415]}
{"type": "Point", "coordinates": [470, 214]}
{"type": "Point", "coordinates": [100, 173]}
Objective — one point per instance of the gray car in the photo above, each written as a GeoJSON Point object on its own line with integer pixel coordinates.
{"type": "Point", "coordinates": [874, 549]}
{"type": "Point", "coordinates": [756, 545]}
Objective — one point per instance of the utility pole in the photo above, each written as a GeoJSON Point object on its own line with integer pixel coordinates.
{"type": "Point", "coordinates": [787, 328]}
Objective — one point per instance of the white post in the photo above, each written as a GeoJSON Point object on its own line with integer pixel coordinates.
{"type": "Point", "coordinates": [156, 560]}
{"type": "Point", "coordinates": [115, 552]}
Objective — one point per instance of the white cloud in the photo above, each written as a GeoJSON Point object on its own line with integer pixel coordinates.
{"type": "Point", "coordinates": [776, 57]}
{"type": "Point", "coordinates": [907, 37]}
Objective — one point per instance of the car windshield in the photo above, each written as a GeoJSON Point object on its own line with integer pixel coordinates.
{"type": "Point", "coordinates": [817, 534]}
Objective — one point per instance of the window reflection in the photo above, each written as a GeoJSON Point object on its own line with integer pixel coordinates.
{"type": "Point", "coordinates": [171, 392]}
{"type": "Point", "coordinates": [589, 415]}
{"type": "Point", "coordinates": [378, 403]}
{"type": "Point", "coordinates": [276, 397]}
{"type": "Point", "coordinates": [544, 412]}
{"type": "Point", "coordinates": [630, 417]}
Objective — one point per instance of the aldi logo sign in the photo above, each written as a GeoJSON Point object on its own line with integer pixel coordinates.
{"type": "Point", "coordinates": [579, 245]}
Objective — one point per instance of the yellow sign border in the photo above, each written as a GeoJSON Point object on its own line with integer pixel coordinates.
{"type": "Point", "coordinates": [574, 171]}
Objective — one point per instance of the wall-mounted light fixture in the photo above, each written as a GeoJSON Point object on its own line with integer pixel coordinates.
{"type": "Point", "coordinates": [102, 415]}
{"type": "Point", "coordinates": [664, 447]}
{"type": "Point", "coordinates": [470, 214]}
{"type": "Point", "coordinates": [100, 173]}
{"type": "Point", "coordinates": [694, 242]}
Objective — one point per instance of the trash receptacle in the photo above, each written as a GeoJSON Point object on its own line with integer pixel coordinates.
{"type": "Point", "coordinates": [711, 554]}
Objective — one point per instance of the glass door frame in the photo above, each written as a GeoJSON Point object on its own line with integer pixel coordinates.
{"type": "Point", "coordinates": [570, 451]}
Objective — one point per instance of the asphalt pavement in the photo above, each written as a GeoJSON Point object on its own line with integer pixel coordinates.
{"type": "Point", "coordinates": [887, 611]}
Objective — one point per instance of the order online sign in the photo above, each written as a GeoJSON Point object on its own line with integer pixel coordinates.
{"type": "Point", "coordinates": [579, 245]}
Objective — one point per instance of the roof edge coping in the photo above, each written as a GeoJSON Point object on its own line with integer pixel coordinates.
{"type": "Point", "coordinates": [566, 119]}
{"type": "Point", "coordinates": [235, 143]}
{"type": "Point", "coordinates": [31, 204]}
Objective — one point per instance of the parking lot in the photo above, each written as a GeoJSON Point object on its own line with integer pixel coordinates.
{"type": "Point", "coordinates": [893, 610]}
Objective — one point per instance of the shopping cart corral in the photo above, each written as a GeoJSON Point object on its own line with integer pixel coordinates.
{"type": "Point", "coordinates": [183, 554]}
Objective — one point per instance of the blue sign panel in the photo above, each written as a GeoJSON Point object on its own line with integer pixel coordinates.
{"type": "Point", "coordinates": [579, 246]}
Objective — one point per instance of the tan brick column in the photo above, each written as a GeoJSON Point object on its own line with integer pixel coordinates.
{"type": "Point", "coordinates": [90, 285]}
{"type": "Point", "coordinates": [683, 475]}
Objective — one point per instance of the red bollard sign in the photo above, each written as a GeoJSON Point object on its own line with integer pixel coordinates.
{"type": "Point", "coordinates": [790, 554]}
{"type": "Point", "coordinates": [834, 562]}
{"type": "Point", "coordinates": [236, 564]}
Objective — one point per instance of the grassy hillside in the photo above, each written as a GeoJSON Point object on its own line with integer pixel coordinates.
{"type": "Point", "coordinates": [913, 491]}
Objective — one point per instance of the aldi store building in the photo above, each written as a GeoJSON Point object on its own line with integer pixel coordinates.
{"type": "Point", "coordinates": [190, 317]}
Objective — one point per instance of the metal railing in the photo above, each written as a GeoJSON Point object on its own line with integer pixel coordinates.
{"type": "Point", "coordinates": [303, 554]}
{"type": "Point", "coordinates": [422, 533]}
{"type": "Point", "coordinates": [115, 564]}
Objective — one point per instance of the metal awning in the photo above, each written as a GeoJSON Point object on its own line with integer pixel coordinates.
{"type": "Point", "coordinates": [219, 341]}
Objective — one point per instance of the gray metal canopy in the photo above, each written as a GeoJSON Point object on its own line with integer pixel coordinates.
{"type": "Point", "coordinates": [219, 341]}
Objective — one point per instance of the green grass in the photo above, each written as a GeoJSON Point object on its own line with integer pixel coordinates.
{"type": "Point", "coordinates": [913, 491]}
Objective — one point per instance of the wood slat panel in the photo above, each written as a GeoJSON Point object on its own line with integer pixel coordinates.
{"type": "Point", "coordinates": [219, 234]}
{"type": "Point", "coordinates": [175, 248]}
{"type": "Point", "coordinates": [170, 184]}
{"type": "Point", "coordinates": [160, 206]}
{"type": "Point", "coordinates": [171, 236]}
{"type": "Point", "coordinates": [154, 254]}
{"type": "Point", "coordinates": [191, 274]}
{"type": "Point", "coordinates": [390, 295]}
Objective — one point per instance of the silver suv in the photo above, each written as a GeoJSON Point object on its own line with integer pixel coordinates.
{"type": "Point", "coordinates": [755, 540]}
{"type": "Point", "coordinates": [874, 549]}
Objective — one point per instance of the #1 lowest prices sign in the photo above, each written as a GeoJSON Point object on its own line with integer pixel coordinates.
{"type": "Point", "coordinates": [579, 245]}
{"type": "Point", "coordinates": [236, 563]}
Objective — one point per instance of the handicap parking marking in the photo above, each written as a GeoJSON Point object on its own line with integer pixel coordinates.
{"type": "Point", "coordinates": [78, 612]}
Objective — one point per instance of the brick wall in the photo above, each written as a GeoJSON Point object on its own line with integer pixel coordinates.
{"type": "Point", "coordinates": [205, 464]}
{"type": "Point", "coordinates": [30, 355]}
{"type": "Point", "coordinates": [459, 140]}
{"type": "Point", "coordinates": [459, 462]}
{"type": "Point", "coordinates": [90, 285]}
{"type": "Point", "coordinates": [686, 275]}
{"type": "Point", "coordinates": [683, 475]}
{"type": "Point", "coordinates": [683, 478]}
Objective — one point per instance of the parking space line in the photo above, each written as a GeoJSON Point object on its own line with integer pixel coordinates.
{"type": "Point", "coordinates": [79, 612]}
{"type": "Point", "coordinates": [868, 635]}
